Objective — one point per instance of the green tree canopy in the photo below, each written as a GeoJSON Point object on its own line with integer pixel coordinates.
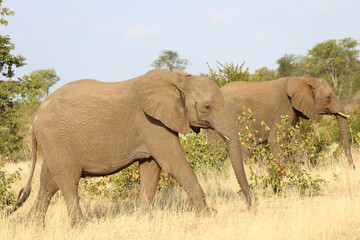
{"type": "Point", "coordinates": [14, 92]}
{"type": "Point", "coordinates": [40, 82]}
{"type": "Point", "coordinates": [335, 60]}
{"type": "Point", "coordinates": [286, 64]}
{"type": "Point", "coordinates": [9, 90]}
{"type": "Point", "coordinates": [4, 12]}
{"type": "Point", "coordinates": [170, 60]}
{"type": "Point", "coordinates": [229, 72]}
{"type": "Point", "coordinates": [264, 74]}
{"type": "Point", "coordinates": [292, 65]}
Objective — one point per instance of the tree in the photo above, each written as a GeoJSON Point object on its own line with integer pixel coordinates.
{"type": "Point", "coordinates": [264, 74]}
{"type": "Point", "coordinates": [286, 65]}
{"type": "Point", "coordinates": [9, 90]}
{"type": "Point", "coordinates": [13, 92]}
{"type": "Point", "coordinates": [335, 60]}
{"type": "Point", "coordinates": [170, 60]}
{"type": "Point", "coordinates": [229, 72]}
{"type": "Point", "coordinates": [301, 68]}
{"type": "Point", "coordinates": [292, 65]}
{"type": "Point", "coordinates": [41, 80]}
{"type": "Point", "coordinates": [10, 140]}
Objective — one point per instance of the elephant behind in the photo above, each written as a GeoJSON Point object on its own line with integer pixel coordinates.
{"type": "Point", "coordinates": [90, 128]}
{"type": "Point", "coordinates": [305, 97]}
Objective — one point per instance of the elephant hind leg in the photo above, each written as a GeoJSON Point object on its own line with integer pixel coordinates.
{"type": "Point", "coordinates": [149, 178]}
{"type": "Point", "coordinates": [66, 174]}
{"type": "Point", "coordinates": [69, 188]}
{"type": "Point", "coordinates": [47, 190]}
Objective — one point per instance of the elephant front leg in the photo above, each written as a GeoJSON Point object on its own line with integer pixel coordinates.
{"type": "Point", "coordinates": [274, 147]}
{"type": "Point", "coordinates": [172, 160]}
{"type": "Point", "coordinates": [149, 178]}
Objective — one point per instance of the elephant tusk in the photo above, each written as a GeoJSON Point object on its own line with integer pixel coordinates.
{"type": "Point", "coordinates": [226, 137]}
{"type": "Point", "coordinates": [343, 115]}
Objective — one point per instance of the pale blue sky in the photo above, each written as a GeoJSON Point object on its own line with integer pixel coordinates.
{"type": "Point", "coordinates": [113, 40]}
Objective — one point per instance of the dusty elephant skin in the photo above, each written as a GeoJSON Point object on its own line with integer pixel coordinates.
{"type": "Point", "coordinates": [91, 128]}
{"type": "Point", "coordinates": [297, 96]}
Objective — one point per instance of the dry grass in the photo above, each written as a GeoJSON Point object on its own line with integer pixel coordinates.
{"type": "Point", "coordinates": [334, 215]}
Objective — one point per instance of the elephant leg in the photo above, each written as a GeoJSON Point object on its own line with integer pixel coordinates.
{"type": "Point", "coordinates": [66, 174]}
{"type": "Point", "coordinates": [69, 189]}
{"type": "Point", "coordinates": [245, 152]}
{"type": "Point", "coordinates": [272, 142]}
{"type": "Point", "coordinates": [172, 160]}
{"type": "Point", "coordinates": [149, 178]}
{"type": "Point", "coordinates": [47, 190]}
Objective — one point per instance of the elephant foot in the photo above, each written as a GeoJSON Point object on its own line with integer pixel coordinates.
{"type": "Point", "coordinates": [353, 166]}
{"type": "Point", "coordinates": [252, 209]}
{"type": "Point", "coordinates": [78, 221]}
{"type": "Point", "coordinates": [145, 210]}
{"type": "Point", "coordinates": [36, 218]}
{"type": "Point", "coordinates": [206, 212]}
{"type": "Point", "coordinates": [17, 220]}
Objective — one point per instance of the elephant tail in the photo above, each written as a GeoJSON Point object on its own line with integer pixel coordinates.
{"type": "Point", "coordinates": [25, 192]}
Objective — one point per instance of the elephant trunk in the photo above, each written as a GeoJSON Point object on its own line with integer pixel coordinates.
{"type": "Point", "coordinates": [235, 155]}
{"type": "Point", "coordinates": [344, 135]}
{"type": "Point", "coordinates": [227, 129]}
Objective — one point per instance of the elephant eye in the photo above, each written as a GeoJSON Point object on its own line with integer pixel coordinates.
{"type": "Point", "coordinates": [207, 106]}
{"type": "Point", "coordinates": [328, 99]}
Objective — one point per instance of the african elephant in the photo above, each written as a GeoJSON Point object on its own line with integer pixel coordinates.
{"type": "Point", "coordinates": [90, 128]}
{"type": "Point", "coordinates": [305, 97]}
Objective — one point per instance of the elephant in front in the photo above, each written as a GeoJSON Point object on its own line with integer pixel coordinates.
{"type": "Point", "coordinates": [91, 128]}
{"type": "Point", "coordinates": [305, 97]}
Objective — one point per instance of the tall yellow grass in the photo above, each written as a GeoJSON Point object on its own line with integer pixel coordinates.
{"type": "Point", "coordinates": [333, 215]}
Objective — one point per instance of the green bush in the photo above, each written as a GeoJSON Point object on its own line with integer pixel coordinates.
{"type": "Point", "coordinates": [6, 196]}
{"type": "Point", "coordinates": [325, 132]}
{"type": "Point", "coordinates": [229, 72]}
{"type": "Point", "coordinates": [203, 155]}
{"type": "Point", "coordinates": [123, 184]}
{"type": "Point", "coordinates": [285, 168]}
{"type": "Point", "coordinates": [115, 186]}
{"type": "Point", "coordinates": [354, 126]}
{"type": "Point", "coordinates": [318, 135]}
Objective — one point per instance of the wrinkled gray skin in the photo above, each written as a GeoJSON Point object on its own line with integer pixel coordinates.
{"type": "Point", "coordinates": [90, 128]}
{"type": "Point", "coordinates": [297, 96]}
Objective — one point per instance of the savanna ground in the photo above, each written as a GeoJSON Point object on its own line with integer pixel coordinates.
{"type": "Point", "coordinates": [334, 214]}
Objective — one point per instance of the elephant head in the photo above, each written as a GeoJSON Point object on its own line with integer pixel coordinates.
{"type": "Point", "coordinates": [182, 101]}
{"type": "Point", "coordinates": [314, 96]}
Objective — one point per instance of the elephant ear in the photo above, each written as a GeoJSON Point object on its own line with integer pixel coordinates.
{"type": "Point", "coordinates": [301, 96]}
{"type": "Point", "coordinates": [161, 97]}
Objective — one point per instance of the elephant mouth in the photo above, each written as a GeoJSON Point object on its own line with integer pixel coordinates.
{"type": "Point", "coordinates": [195, 129]}
{"type": "Point", "coordinates": [201, 124]}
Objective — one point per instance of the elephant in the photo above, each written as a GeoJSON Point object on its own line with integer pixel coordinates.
{"type": "Point", "coordinates": [305, 97]}
{"type": "Point", "coordinates": [90, 128]}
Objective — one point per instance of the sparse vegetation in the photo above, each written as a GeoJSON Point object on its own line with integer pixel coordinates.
{"type": "Point", "coordinates": [332, 215]}
{"type": "Point", "coordinates": [6, 180]}
{"type": "Point", "coordinates": [285, 169]}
